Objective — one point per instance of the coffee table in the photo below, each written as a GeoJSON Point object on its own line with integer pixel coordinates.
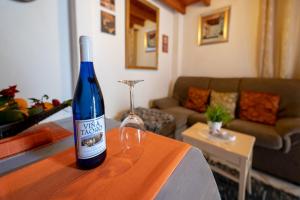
{"type": "Point", "coordinates": [236, 154]}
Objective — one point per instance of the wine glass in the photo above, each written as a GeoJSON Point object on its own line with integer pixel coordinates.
{"type": "Point", "coordinates": [132, 128]}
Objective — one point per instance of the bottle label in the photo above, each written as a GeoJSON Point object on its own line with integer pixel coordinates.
{"type": "Point", "coordinates": [90, 137]}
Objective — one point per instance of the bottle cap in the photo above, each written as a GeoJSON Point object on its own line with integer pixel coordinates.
{"type": "Point", "coordinates": [85, 49]}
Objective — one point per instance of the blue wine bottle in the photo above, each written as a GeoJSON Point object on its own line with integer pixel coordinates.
{"type": "Point", "coordinates": [88, 112]}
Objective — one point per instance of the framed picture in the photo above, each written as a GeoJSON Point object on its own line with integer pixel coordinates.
{"type": "Point", "coordinates": [150, 41]}
{"type": "Point", "coordinates": [109, 4]}
{"type": "Point", "coordinates": [108, 23]}
{"type": "Point", "coordinates": [165, 43]}
{"type": "Point", "coordinates": [213, 27]}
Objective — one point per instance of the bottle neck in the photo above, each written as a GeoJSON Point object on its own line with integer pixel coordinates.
{"type": "Point", "coordinates": [86, 65]}
{"type": "Point", "coordinates": [87, 69]}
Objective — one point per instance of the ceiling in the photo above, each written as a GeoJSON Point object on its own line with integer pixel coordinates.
{"type": "Point", "coordinates": [140, 12]}
{"type": "Point", "coordinates": [180, 5]}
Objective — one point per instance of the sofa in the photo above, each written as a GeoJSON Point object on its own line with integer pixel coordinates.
{"type": "Point", "coordinates": [277, 148]}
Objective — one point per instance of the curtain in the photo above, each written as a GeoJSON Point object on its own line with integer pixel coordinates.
{"type": "Point", "coordinates": [279, 39]}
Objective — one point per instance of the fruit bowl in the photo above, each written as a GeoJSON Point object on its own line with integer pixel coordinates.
{"type": "Point", "coordinates": [17, 127]}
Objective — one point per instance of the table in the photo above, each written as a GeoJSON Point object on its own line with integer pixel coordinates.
{"type": "Point", "coordinates": [31, 156]}
{"type": "Point", "coordinates": [191, 172]}
{"type": "Point", "coordinates": [237, 154]}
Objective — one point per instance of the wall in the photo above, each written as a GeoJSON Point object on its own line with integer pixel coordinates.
{"type": "Point", "coordinates": [145, 58]}
{"type": "Point", "coordinates": [35, 48]}
{"type": "Point", "coordinates": [178, 50]}
{"type": "Point", "coordinates": [236, 58]}
{"type": "Point", "coordinates": [109, 57]}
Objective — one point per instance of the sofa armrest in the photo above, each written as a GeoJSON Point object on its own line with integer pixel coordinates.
{"type": "Point", "coordinates": [289, 130]}
{"type": "Point", "coordinates": [164, 103]}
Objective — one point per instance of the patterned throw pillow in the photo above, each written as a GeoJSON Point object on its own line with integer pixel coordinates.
{"type": "Point", "coordinates": [197, 99]}
{"type": "Point", "coordinates": [226, 99]}
{"type": "Point", "coordinates": [259, 107]}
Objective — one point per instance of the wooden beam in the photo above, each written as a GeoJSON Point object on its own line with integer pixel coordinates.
{"type": "Point", "coordinates": [175, 4]}
{"type": "Point", "coordinates": [189, 2]}
{"type": "Point", "coordinates": [180, 5]}
{"type": "Point", "coordinates": [137, 20]}
{"type": "Point", "coordinates": [206, 2]}
{"type": "Point", "coordinates": [144, 6]}
{"type": "Point", "coordinates": [139, 13]}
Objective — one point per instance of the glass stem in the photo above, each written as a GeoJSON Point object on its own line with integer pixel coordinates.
{"type": "Point", "coordinates": [131, 99]}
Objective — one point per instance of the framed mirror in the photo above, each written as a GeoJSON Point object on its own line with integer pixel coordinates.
{"type": "Point", "coordinates": [142, 35]}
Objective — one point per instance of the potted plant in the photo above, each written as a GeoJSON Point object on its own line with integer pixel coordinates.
{"type": "Point", "coordinates": [216, 116]}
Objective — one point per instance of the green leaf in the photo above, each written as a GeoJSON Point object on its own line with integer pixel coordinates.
{"type": "Point", "coordinates": [45, 97]}
{"type": "Point", "coordinates": [68, 102]}
{"type": "Point", "coordinates": [34, 100]}
{"type": "Point", "coordinates": [217, 113]}
{"type": "Point", "coordinates": [35, 110]}
{"type": "Point", "coordinates": [8, 116]}
{"type": "Point", "coordinates": [4, 100]}
{"type": "Point", "coordinates": [13, 106]}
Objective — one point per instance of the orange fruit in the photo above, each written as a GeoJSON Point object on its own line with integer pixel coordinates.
{"type": "Point", "coordinates": [48, 106]}
{"type": "Point", "coordinates": [3, 107]}
{"type": "Point", "coordinates": [24, 111]}
{"type": "Point", "coordinates": [22, 103]}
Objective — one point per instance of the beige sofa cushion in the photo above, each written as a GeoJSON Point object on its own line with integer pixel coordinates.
{"type": "Point", "coordinates": [226, 99]}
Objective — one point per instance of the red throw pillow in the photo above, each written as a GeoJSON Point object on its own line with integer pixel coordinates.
{"type": "Point", "coordinates": [259, 107]}
{"type": "Point", "coordinates": [197, 99]}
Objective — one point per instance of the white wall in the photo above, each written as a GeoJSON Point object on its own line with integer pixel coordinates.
{"type": "Point", "coordinates": [178, 49]}
{"type": "Point", "coordinates": [109, 57]}
{"type": "Point", "coordinates": [235, 58]}
{"type": "Point", "coordinates": [35, 48]}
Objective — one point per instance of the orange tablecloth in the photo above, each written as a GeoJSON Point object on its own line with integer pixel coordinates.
{"type": "Point", "coordinates": [34, 137]}
{"type": "Point", "coordinates": [119, 177]}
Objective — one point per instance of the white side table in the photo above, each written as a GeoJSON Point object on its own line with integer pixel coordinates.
{"type": "Point", "coordinates": [237, 154]}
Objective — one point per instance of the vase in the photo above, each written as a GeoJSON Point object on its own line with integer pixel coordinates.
{"type": "Point", "coordinates": [214, 127]}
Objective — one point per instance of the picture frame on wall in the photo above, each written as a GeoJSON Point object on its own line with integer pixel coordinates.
{"type": "Point", "coordinates": [150, 41]}
{"type": "Point", "coordinates": [213, 27]}
{"type": "Point", "coordinates": [165, 43]}
{"type": "Point", "coordinates": [109, 4]}
{"type": "Point", "coordinates": [108, 23]}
